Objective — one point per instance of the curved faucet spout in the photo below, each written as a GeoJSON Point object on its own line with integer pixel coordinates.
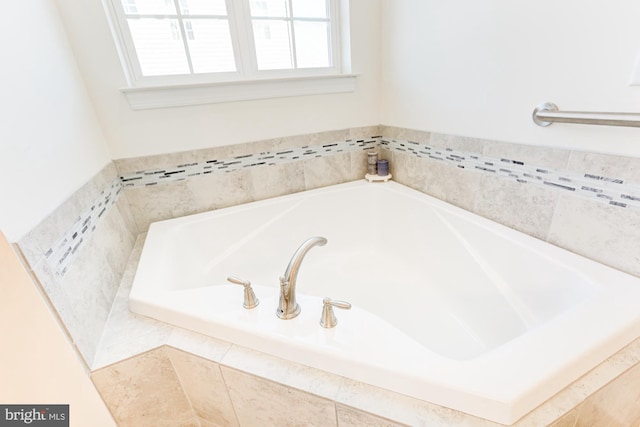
{"type": "Point", "coordinates": [288, 308]}
{"type": "Point", "coordinates": [291, 274]}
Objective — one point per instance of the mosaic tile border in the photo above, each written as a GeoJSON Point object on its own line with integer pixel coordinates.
{"type": "Point", "coordinates": [609, 190]}
{"type": "Point", "coordinates": [215, 166]}
{"type": "Point", "coordinates": [60, 256]}
{"type": "Point", "coordinates": [612, 191]}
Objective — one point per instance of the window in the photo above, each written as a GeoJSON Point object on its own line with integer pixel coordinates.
{"type": "Point", "coordinates": [291, 34]}
{"type": "Point", "coordinates": [191, 41]}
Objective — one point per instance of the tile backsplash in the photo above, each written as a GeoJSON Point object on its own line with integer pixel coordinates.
{"type": "Point", "coordinates": [78, 253]}
{"type": "Point", "coordinates": [584, 202]}
{"type": "Point", "coordinates": [177, 184]}
{"type": "Point", "coordinates": [147, 178]}
{"type": "Point", "coordinates": [62, 253]}
{"type": "Point", "coordinates": [610, 190]}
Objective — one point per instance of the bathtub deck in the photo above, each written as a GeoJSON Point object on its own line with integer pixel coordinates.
{"type": "Point", "coordinates": [494, 301]}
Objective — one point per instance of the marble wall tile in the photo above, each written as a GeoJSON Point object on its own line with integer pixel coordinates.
{"type": "Point", "coordinates": [104, 177]}
{"type": "Point", "coordinates": [62, 218]}
{"type": "Point", "coordinates": [554, 158]}
{"type": "Point", "coordinates": [218, 191]}
{"type": "Point", "coordinates": [198, 194]}
{"type": "Point", "coordinates": [359, 164]}
{"type": "Point", "coordinates": [53, 227]}
{"type": "Point", "coordinates": [144, 391]}
{"type": "Point", "coordinates": [607, 234]}
{"type": "Point", "coordinates": [157, 161]}
{"type": "Point", "coordinates": [195, 195]}
{"type": "Point", "coordinates": [204, 386]}
{"type": "Point", "coordinates": [132, 265]}
{"type": "Point", "coordinates": [128, 165]}
{"type": "Point", "coordinates": [455, 142]}
{"type": "Point", "coordinates": [126, 333]}
{"type": "Point", "coordinates": [168, 160]}
{"type": "Point", "coordinates": [409, 170]}
{"type": "Point", "coordinates": [314, 138]}
{"type": "Point", "coordinates": [610, 166]}
{"type": "Point", "coordinates": [349, 417]}
{"type": "Point", "coordinates": [325, 171]}
{"type": "Point", "coordinates": [124, 207]}
{"type": "Point", "coordinates": [89, 287]}
{"type": "Point", "coordinates": [524, 207]}
{"type": "Point", "coordinates": [444, 181]}
{"type": "Point", "coordinates": [44, 235]}
{"type": "Point", "coordinates": [92, 281]}
{"type": "Point", "coordinates": [84, 295]}
{"type": "Point", "coordinates": [365, 132]}
{"type": "Point", "coordinates": [260, 402]}
{"type": "Point", "coordinates": [277, 180]}
{"type": "Point", "coordinates": [129, 330]}
{"type": "Point", "coordinates": [46, 279]}
{"type": "Point", "coordinates": [159, 202]}
{"type": "Point", "coordinates": [452, 184]}
{"type": "Point", "coordinates": [393, 132]}
{"type": "Point", "coordinates": [116, 240]}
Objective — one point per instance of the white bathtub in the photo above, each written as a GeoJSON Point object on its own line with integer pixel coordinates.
{"type": "Point", "coordinates": [448, 307]}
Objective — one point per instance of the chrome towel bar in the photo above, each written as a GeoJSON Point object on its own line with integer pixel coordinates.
{"type": "Point", "coordinates": [547, 113]}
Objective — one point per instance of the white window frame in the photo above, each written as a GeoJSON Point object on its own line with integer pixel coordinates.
{"type": "Point", "coordinates": [247, 82]}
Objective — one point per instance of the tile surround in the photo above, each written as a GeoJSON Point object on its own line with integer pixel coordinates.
{"type": "Point", "coordinates": [585, 202]}
{"type": "Point", "coordinates": [61, 254]}
{"type": "Point", "coordinates": [606, 189]}
{"type": "Point", "coordinates": [604, 233]}
{"type": "Point", "coordinates": [334, 162]}
{"type": "Point", "coordinates": [305, 167]}
{"type": "Point", "coordinates": [284, 405]}
{"type": "Point", "coordinates": [136, 396]}
{"type": "Point", "coordinates": [158, 189]}
{"type": "Point", "coordinates": [205, 388]}
{"type": "Point", "coordinates": [147, 178]}
{"type": "Point", "coordinates": [77, 255]}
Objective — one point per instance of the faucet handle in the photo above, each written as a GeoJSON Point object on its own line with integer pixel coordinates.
{"type": "Point", "coordinates": [328, 319]}
{"type": "Point", "coordinates": [250, 300]}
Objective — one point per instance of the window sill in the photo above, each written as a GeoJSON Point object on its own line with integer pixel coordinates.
{"type": "Point", "coordinates": [145, 98]}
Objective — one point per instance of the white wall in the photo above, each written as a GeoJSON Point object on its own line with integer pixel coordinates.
{"type": "Point", "coordinates": [136, 133]}
{"type": "Point", "coordinates": [50, 140]}
{"type": "Point", "coordinates": [479, 68]}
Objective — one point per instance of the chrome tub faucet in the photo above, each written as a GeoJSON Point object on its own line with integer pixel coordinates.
{"type": "Point", "coordinates": [288, 308]}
